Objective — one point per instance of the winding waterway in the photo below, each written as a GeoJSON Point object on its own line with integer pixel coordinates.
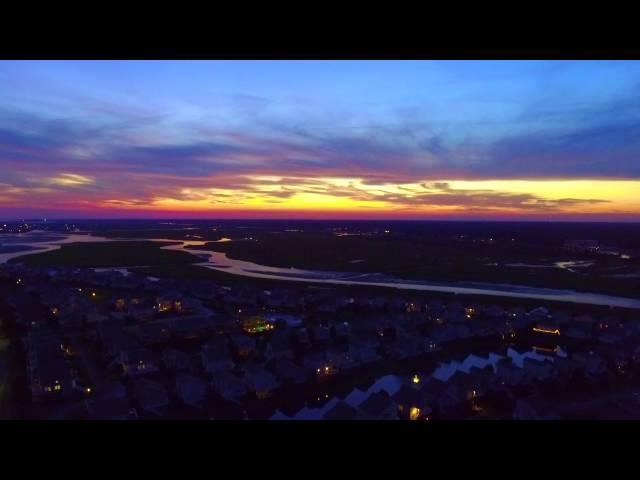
{"type": "Point", "coordinates": [219, 261]}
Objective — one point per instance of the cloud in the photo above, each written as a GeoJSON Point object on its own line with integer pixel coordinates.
{"type": "Point", "coordinates": [116, 157]}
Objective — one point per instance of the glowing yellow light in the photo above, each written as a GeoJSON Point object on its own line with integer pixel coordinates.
{"type": "Point", "coordinates": [93, 294]}
{"type": "Point", "coordinates": [543, 349]}
{"type": "Point", "coordinates": [416, 378]}
{"type": "Point", "coordinates": [414, 413]}
{"type": "Point", "coordinates": [545, 330]}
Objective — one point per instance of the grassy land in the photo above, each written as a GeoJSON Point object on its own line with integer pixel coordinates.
{"type": "Point", "coordinates": [201, 273]}
{"type": "Point", "coordinates": [432, 259]}
{"type": "Point", "coordinates": [108, 254]}
{"type": "Point", "coordinates": [195, 272]}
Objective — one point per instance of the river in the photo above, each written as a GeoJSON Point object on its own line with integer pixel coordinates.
{"type": "Point", "coordinates": [219, 261]}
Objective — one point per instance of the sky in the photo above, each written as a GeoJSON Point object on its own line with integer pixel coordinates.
{"type": "Point", "coordinates": [496, 140]}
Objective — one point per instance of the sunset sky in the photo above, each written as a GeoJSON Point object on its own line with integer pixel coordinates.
{"type": "Point", "coordinates": [556, 140]}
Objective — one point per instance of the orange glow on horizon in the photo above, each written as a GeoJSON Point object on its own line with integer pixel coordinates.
{"type": "Point", "coordinates": [336, 197]}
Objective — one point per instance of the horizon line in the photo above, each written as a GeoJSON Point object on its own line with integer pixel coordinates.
{"type": "Point", "coordinates": [328, 219]}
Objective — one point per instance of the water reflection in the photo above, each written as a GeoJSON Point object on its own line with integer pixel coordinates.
{"type": "Point", "coordinates": [220, 261]}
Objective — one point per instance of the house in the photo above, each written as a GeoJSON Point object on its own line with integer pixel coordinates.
{"type": "Point", "coordinates": [176, 361]}
{"type": "Point", "coordinates": [341, 358]}
{"type": "Point", "coordinates": [286, 371]}
{"type": "Point", "coordinates": [463, 331]}
{"type": "Point", "coordinates": [151, 397]}
{"type": "Point", "coordinates": [485, 379]}
{"type": "Point", "coordinates": [228, 385]}
{"type": "Point", "coordinates": [442, 333]}
{"type": "Point", "coordinates": [584, 318]}
{"type": "Point", "coordinates": [320, 366]}
{"type": "Point", "coordinates": [539, 314]}
{"type": "Point", "coordinates": [483, 327]}
{"type": "Point", "coordinates": [414, 306]}
{"type": "Point", "coordinates": [110, 409]}
{"type": "Point", "coordinates": [565, 366]}
{"type": "Point", "coordinates": [141, 312]}
{"type": "Point", "coordinates": [546, 328]}
{"type": "Point", "coordinates": [506, 332]}
{"type": "Point", "coordinates": [435, 308]}
{"type": "Point", "coordinates": [592, 364]}
{"type": "Point", "coordinates": [50, 379]}
{"type": "Point", "coordinates": [261, 382]}
{"type": "Point", "coordinates": [406, 347]}
{"type": "Point", "coordinates": [169, 302]}
{"type": "Point", "coordinates": [279, 345]}
{"type": "Point", "coordinates": [472, 385]}
{"type": "Point", "coordinates": [515, 312]}
{"type": "Point", "coordinates": [243, 346]}
{"type": "Point", "coordinates": [341, 331]}
{"type": "Point", "coordinates": [320, 335]}
{"type": "Point", "coordinates": [534, 408]}
{"type": "Point", "coordinates": [412, 403]}
{"type": "Point", "coordinates": [524, 321]}
{"type": "Point", "coordinates": [561, 317]}
{"type": "Point", "coordinates": [363, 353]}
{"type": "Point", "coordinates": [494, 312]}
{"type": "Point", "coordinates": [291, 321]}
{"type": "Point", "coordinates": [633, 328]}
{"type": "Point", "coordinates": [191, 390]}
{"type": "Point", "coordinates": [394, 304]}
{"type": "Point", "coordinates": [379, 406]}
{"type": "Point", "coordinates": [457, 314]}
{"type": "Point", "coordinates": [381, 303]}
{"type": "Point", "coordinates": [301, 337]}
{"type": "Point", "coordinates": [365, 339]}
{"type": "Point", "coordinates": [193, 327]}
{"type": "Point", "coordinates": [153, 333]}
{"type": "Point", "coordinates": [215, 356]}
{"type": "Point", "coordinates": [113, 338]}
{"type": "Point", "coordinates": [242, 299]}
{"type": "Point", "coordinates": [386, 331]}
{"type": "Point", "coordinates": [93, 318]}
{"type": "Point", "coordinates": [579, 330]}
{"type": "Point", "coordinates": [610, 332]}
{"type": "Point", "coordinates": [257, 324]}
{"type": "Point", "coordinates": [539, 370]}
{"type": "Point", "coordinates": [71, 319]}
{"type": "Point", "coordinates": [430, 345]}
{"type": "Point", "coordinates": [510, 374]}
{"type": "Point", "coordinates": [342, 411]}
{"type": "Point", "coordinates": [136, 361]}
{"type": "Point", "coordinates": [617, 356]}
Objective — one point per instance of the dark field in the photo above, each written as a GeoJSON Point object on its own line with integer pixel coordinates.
{"type": "Point", "coordinates": [437, 251]}
{"type": "Point", "coordinates": [439, 259]}
{"type": "Point", "coordinates": [111, 254]}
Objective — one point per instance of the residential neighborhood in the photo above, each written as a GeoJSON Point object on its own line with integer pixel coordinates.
{"type": "Point", "coordinates": [101, 345]}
